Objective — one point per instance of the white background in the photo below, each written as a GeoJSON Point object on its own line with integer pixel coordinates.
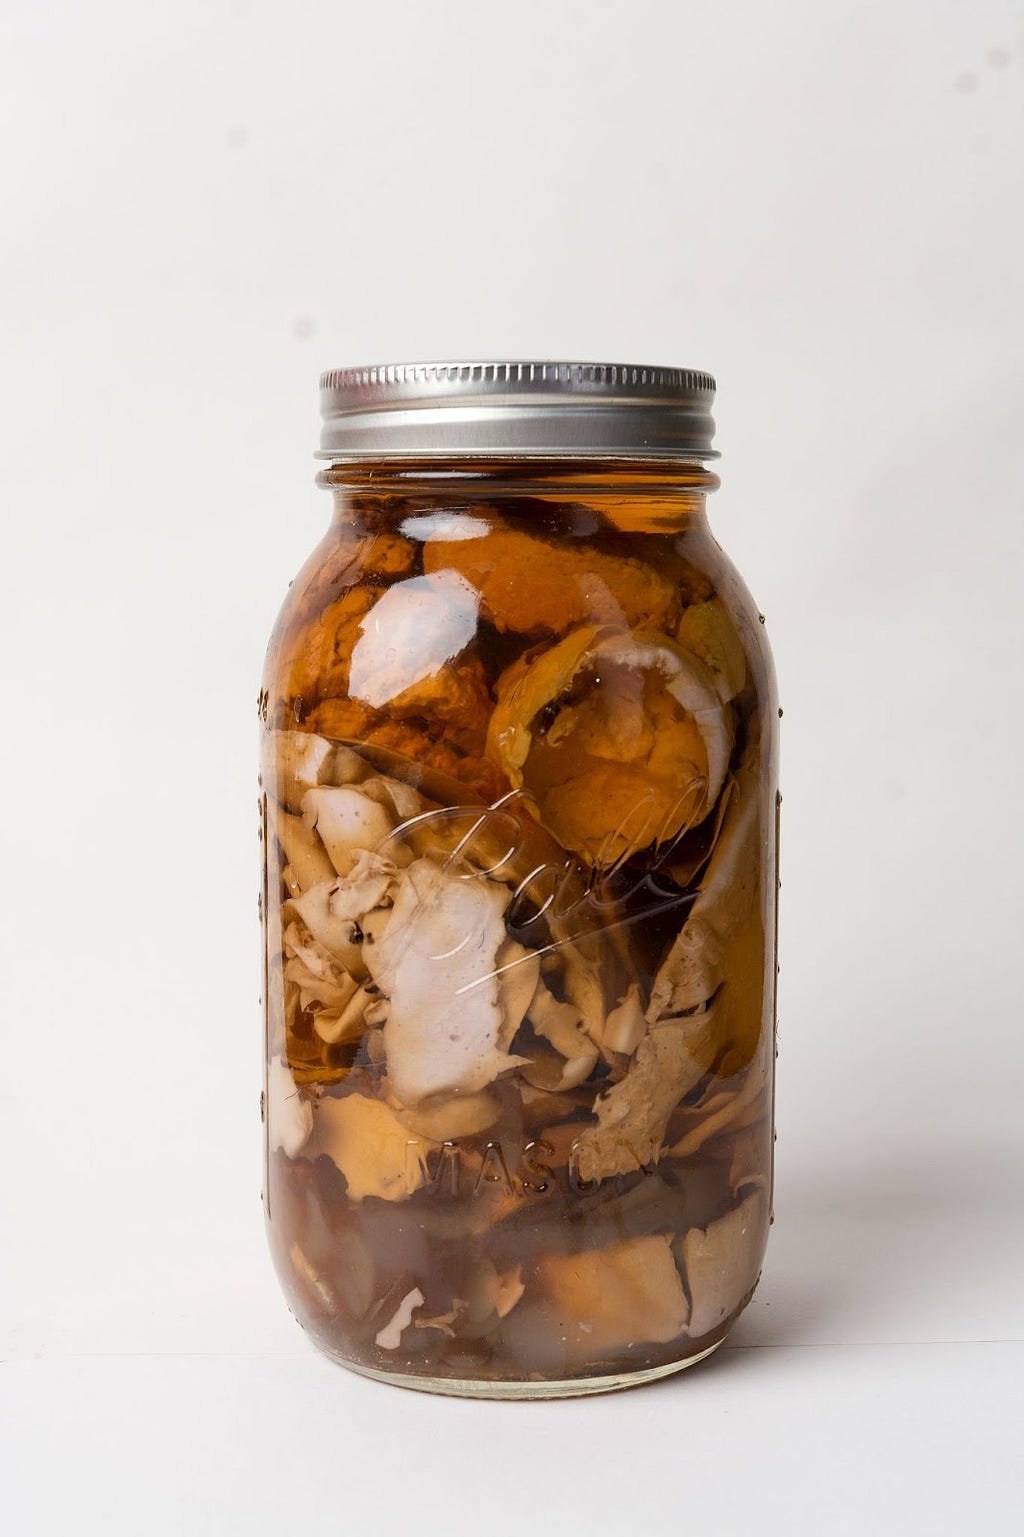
{"type": "Point", "coordinates": [205, 203]}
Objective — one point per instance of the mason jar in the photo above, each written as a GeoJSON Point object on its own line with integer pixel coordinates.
{"type": "Point", "coordinates": [519, 825]}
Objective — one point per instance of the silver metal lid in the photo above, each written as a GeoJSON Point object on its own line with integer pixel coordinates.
{"type": "Point", "coordinates": [516, 409]}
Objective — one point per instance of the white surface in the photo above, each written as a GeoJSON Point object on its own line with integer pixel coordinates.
{"type": "Point", "coordinates": [844, 1442]}
{"type": "Point", "coordinates": [205, 204]}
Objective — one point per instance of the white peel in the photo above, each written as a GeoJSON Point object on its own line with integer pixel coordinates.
{"type": "Point", "coordinates": [303, 852]}
{"type": "Point", "coordinates": [562, 1025]}
{"type": "Point", "coordinates": [625, 1026]}
{"type": "Point", "coordinates": [346, 822]}
{"type": "Point", "coordinates": [390, 1337]}
{"type": "Point", "coordinates": [435, 963]}
{"type": "Point", "coordinates": [289, 1113]}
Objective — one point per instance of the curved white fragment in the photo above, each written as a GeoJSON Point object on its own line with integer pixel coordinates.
{"type": "Point", "coordinates": [693, 688]}
{"type": "Point", "coordinates": [444, 527]}
{"type": "Point", "coordinates": [390, 1337]}
{"type": "Point", "coordinates": [347, 1024]}
{"type": "Point", "coordinates": [335, 933]}
{"type": "Point", "coordinates": [436, 963]}
{"type": "Point", "coordinates": [304, 853]}
{"type": "Point", "coordinates": [363, 888]}
{"type": "Point", "coordinates": [562, 1025]}
{"type": "Point", "coordinates": [410, 633]}
{"type": "Point", "coordinates": [625, 1026]}
{"type": "Point", "coordinates": [395, 795]}
{"type": "Point", "coordinates": [289, 1112]}
{"type": "Point", "coordinates": [508, 1291]}
{"type": "Point", "coordinates": [315, 971]}
{"type": "Point", "coordinates": [346, 822]}
{"type": "Point", "coordinates": [518, 976]}
{"type": "Point", "coordinates": [583, 987]}
{"type": "Point", "coordinates": [297, 762]}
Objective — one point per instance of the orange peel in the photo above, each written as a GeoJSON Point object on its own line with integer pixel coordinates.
{"type": "Point", "coordinates": [619, 739]}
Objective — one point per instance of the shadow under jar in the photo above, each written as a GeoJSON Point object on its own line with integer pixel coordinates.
{"type": "Point", "coordinates": [519, 821]}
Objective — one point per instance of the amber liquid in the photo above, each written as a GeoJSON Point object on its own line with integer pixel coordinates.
{"type": "Point", "coordinates": [519, 783]}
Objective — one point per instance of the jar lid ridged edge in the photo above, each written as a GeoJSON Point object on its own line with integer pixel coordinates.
{"type": "Point", "coordinates": [529, 374]}
{"type": "Point", "coordinates": [516, 407]}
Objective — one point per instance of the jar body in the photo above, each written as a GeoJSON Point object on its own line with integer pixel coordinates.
{"type": "Point", "coordinates": [520, 838]}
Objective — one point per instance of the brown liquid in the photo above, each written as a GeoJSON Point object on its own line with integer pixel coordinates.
{"type": "Point", "coordinates": [518, 767]}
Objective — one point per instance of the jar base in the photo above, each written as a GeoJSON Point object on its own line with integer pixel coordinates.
{"type": "Point", "coordinates": [572, 1387]}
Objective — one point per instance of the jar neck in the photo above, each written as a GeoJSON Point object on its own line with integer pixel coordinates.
{"type": "Point", "coordinates": [634, 496]}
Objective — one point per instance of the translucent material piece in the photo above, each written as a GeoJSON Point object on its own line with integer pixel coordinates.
{"type": "Point", "coordinates": [519, 826]}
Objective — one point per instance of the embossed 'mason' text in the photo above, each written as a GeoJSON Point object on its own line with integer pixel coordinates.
{"type": "Point", "coordinates": [455, 1169]}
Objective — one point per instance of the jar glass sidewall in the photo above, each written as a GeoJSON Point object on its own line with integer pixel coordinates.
{"type": "Point", "coordinates": [519, 801]}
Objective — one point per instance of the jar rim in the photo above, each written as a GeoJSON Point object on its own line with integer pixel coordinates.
{"type": "Point", "coordinates": [516, 408]}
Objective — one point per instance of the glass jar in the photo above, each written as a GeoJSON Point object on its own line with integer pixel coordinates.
{"type": "Point", "coordinates": [519, 813]}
